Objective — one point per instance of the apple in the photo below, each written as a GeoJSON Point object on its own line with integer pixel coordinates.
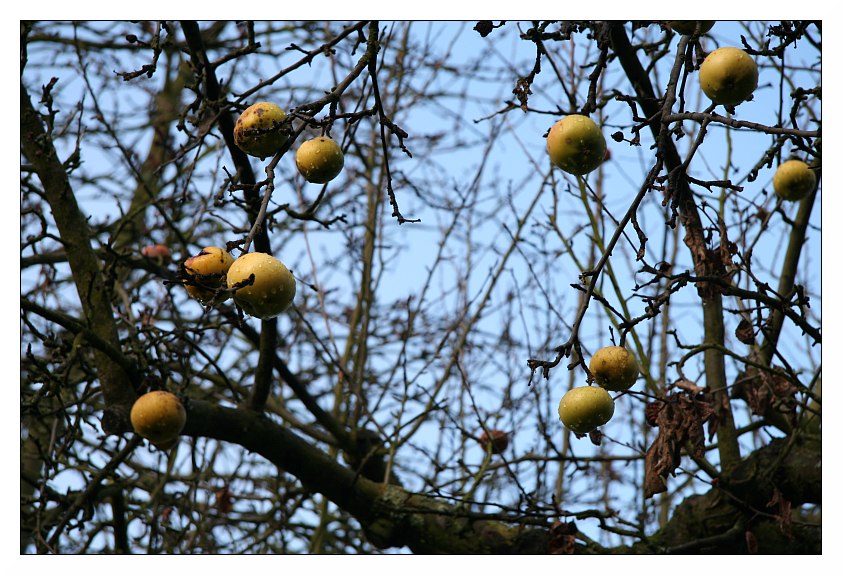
{"type": "Point", "coordinates": [496, 440]}
{"type": "Point", "coordinates": [273, 288]}
{"type": "Point", "coordinates": [576, 144]}
{"type": "Point", "coordinates": [583, 409]}
{"type": "Point", "coordinates": [260, 130]}
{"type": "Point", "coordinates": [614, 368]}
{"type": "Point", "coordinates": [158, 252]}
{"type": "Point", "coordinates": [207, 271]}
{"type": "Point", "coordinates": [794, 180]}
{"type": "Point", "coordinates": [728, 76]}
{"type": "Point", "coordinates": [688, 27]}
{"type": "Point", "coordinates": [319, 160]}
{"type": "Point", "coordinates": [159, 417]}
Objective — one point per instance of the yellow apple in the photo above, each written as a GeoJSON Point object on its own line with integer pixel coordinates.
{"type": "Point", "coordinates": [576, 144]}
{"type": "Point", "coordinates": [159, 417]}
{"type": "Point", "coordinates": [794, 180]}
{"type": "Point", "coordinates": [728, 76]}
{"type": "Point", "coordinates": [319, 160]}
{"type": "Point", "coordinates": [273, 288]}
{"type": "Point", "coordinates": [688, 27]}
{"type": "Point", "coordinates": [583, 409]}
{"type": "Point", "coordinates": [260, 130]}
{"type": "Point", "coordinates": [614, 368]}
{"type": "Point", "coordinates": [207, 270]}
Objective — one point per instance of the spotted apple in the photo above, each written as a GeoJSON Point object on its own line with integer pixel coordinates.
{"type": "Point", "coordinates": [269, 293]}
{"type": "Point", "coordinates": [319, 160]}
{"type": "Point", "coordinates": [583, 409]}
{"type": "Point", "coordinates": [614, 367]}
{"type": "Point", "coordinates": [205, 273]}
{"type": "Point", "coordinates": [576, 144]}
{"type": "Point", "coordinates": [260, 130]}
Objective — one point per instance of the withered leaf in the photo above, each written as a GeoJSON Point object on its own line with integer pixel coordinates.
{"type": "Point", "coordinates": [783, 512]}
{"type": "Point", "coordinates": [751, 542]}
{"type": "Point", "coordinates": [562, 539]}
{"type": "Point", "coordinates": [745, 332]}
{"type": "Point", "coordinates": [224, 500]}
{"type": "Point", "coordinates": [680, 420]}
{"type": "Point", "coordinates": [765, 391]}
{"type": "Point", "coordinates": [653, 408]}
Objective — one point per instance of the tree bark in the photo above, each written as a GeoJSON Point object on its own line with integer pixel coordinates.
{"type": "Point", "coordinates": [786, 472]}
{"type": "Point", "coordinates": [94, 292]}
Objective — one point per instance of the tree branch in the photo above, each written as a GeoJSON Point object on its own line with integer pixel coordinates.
{"type": "Point", "coordinates": [94, 293]}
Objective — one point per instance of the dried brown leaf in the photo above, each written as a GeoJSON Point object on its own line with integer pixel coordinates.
{"type": "Point", "coordinates": [562, 539]}
{"type": "Point", "coordinates": [765, 391]}
{"type": "Point", "coordinates": [680, 420]}
{"type": "Point", "coordinates": [745, 332]}
{"type": "Point", "coordinates": [783, 512]}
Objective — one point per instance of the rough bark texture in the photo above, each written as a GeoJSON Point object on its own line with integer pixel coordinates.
{"type": "Point", "coordinates": [749, 499]}
{"type": "Point", "coordinates": [94, 292]}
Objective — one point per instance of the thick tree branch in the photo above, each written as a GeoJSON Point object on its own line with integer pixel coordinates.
{"type": "Point", "coordinates": [94, 293]}
{"type": "Point", "coordinates": [394, 517]}
{"type": "Point", "coordinates": [753, 498]}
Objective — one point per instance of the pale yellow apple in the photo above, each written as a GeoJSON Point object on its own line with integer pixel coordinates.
{"type": "Point", "coordinates": [614, 367]}
{"type": "Point", "coordinates": [728, 76]}
{"type": "Point", "coordinates": [159, 417]}
{"type": "Point", "coordinates": [576, 144]}
{"type": "Point", "coordinates": [273, 288]}
{"type": "Point", "coordinates": [319, 160]}
{"type": "Point", "coordinates": [794, 180]}
{"type": "Point", "coordinates": [583, 409]}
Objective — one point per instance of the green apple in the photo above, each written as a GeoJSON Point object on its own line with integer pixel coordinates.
{"type": "Point", "coordinates": [583, 409]}
{"type": "Point", "coordinates": [260, 130]}
{"type": "Point", "coordinates": [319, 160]}
{"type": "Point", "coordinates": [576, 144]}
{"type": "Point", "coordinates": [273, 288]}
{"type": "Point", "coordinates": [159, 417]}
{"type": "Point", "coordinates": [728, 76]}
{"type": "Point", "coordinates": [614, 368]}
{"type": "Point", "coordinates": [794, 180]}
{"type": "Point", "coordinates": [208, 269]}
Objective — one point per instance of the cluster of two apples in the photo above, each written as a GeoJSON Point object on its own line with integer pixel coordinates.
{"type": "Point", "coordinates": [262, 285]}
{"type": "Point", "coordinates": [583, 409]}
{"type": "Point", "coordinates": [262, 129]}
